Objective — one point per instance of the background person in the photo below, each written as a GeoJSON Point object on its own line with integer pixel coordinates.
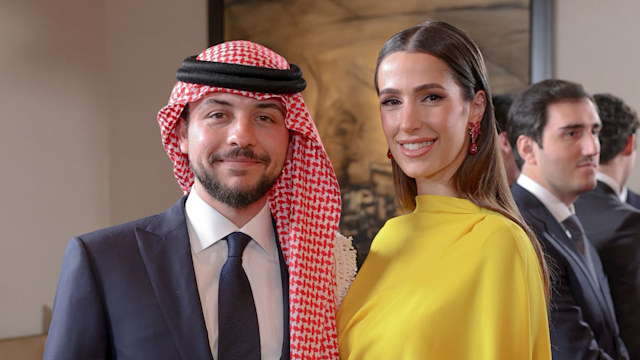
{"type": "Point", "coordinates": [502, 103]}
{"type": "Point", "coordinates": [613, 226]}
{"type": "Point", "coordinates": [555, 125]}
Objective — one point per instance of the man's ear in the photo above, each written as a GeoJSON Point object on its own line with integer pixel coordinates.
{"type": "Point", "coordinates": [503, 140]}
{"type": "Point", "coordinates": [527, 149]}
{"type": "Point", "coordinates": [630, 145]}
{"type": "Point", "coordinates": [289, 147]}
{"type": "Point", "coordinates": [182, 132]}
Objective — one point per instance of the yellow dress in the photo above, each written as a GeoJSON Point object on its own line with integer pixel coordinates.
{"type": "Point", "coordinates": [448, 281]}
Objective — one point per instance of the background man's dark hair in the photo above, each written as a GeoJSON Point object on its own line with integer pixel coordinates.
{"type": "Point", "coordinates": [619, 121]}
{"type": "Point", "coordinates": [501, 105]}
{"type": "Point", "coordinates": [528, 113]}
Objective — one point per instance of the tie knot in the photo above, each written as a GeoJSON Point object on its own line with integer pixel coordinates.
{"type": "Point", "coordinates": [573, 225]}
{"type": "Point", "coordinates": [237, 242]}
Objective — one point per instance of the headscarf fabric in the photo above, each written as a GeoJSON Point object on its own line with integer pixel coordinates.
{"type": "Point", "coordinates": [305, 200]}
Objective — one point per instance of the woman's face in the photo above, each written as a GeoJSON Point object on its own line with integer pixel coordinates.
{"type": "Point", "coordinates": [426, 119]}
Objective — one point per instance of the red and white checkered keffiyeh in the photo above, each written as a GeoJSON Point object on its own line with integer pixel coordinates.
{"type": "Point", "coordinates": [305, 200]}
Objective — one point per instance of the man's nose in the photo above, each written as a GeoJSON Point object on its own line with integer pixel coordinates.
{"type": "Point", "coordinates": [591, 145]}
{"type": "Point", "coordinates": [242, 132]}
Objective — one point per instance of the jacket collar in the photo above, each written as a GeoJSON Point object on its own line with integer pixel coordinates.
{"type": "Point", "coordinates": [166, 252]}
{"type": "Point", "coordinates": [545, 226]}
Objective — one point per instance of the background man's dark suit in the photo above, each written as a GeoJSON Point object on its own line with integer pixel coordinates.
{"type": "Point", "coordinates": [613, 227]}
{"type": "Point", "coordinates": [633, 199]}
{"type": "Point", "coordinates": [582, 321]}
{"type": "Point", "coordinates": [130, 291]}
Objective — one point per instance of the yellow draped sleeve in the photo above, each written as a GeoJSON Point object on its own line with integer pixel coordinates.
{"type": "Point", "coordinates": [449, 285]}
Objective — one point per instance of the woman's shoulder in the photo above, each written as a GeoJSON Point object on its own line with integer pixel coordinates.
{"type": "Point", "coordinates": [497, 232]}
{"type": "Point", "coordinates": [400, 220]}
{"type": "Point", "coordinates": [500, 222]}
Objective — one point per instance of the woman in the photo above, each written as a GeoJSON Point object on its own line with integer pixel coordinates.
{"type": "Point", "coordinates": [460, 276]}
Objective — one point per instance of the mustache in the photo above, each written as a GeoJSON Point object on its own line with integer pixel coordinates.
{"type": "Point", "coordinates": [243, 153]}
{"type": "Point", "coordinates": [589, 160]}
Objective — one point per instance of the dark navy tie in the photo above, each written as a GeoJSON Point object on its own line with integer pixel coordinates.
{"type": "Point", "coordinates": [573, 225]}
{"type": "Point", "coordinates": [238, 334]}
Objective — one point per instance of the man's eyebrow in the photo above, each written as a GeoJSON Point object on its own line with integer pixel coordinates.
{"type": "Point", "coordinates": [271, 105]}
{"type": "Point", "coordinates": [580, 126]}
{"type": "Point", "coordinates": [571, 126]}
{"type": "Point", "coordinates": [216, 101]}
{"type": "Point", "coordinates": [261, 105]}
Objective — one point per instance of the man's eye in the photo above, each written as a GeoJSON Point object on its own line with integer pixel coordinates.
{"type": "Point", "coordinates": [215, 115]}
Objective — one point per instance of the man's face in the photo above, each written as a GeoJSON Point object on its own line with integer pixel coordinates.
{"type": "Point", "coordinates": [567, 161]}
{"type": "Point", "coordinates": [237, 146]}
{"type": "Point", "coordinates": [509, 160]}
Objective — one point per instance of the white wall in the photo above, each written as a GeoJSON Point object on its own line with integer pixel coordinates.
{"type": "Point", "coordinates": [53, 147]}
{"type": "Point", "coordinates": [79, 144]}
{"type": "Point", "coordinates": [596, 44]}
{"type": "Point", "coordinates": [147, 41]}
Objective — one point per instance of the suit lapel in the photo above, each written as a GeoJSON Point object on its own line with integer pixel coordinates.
{"type": "Point", "coordinates": [539, 217]}
{"type": "Point", "coordinates": [166, 253]}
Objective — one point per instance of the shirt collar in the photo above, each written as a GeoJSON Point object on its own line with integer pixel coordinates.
{"type": "Point", "coordinates": [211, 226]}
{"type": "Point", "coordinates": [624, 194]}
{"type": "Point", "coordinates": [610, 182]}
{"type": "Point", "coordinates": [557, 208]}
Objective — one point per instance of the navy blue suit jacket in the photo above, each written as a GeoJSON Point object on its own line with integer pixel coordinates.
{"type": "Point", "coordinates": [129, 292]}
{"type": "Point", "coordinates": [633, 199]}
{"type": "Point", "coordinates": [582, 320]}
{"type": "Point", "coordinates": [613, 227]}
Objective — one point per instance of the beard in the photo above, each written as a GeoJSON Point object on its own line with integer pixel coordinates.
{"type": "Point", "coordinates": [235, 197]}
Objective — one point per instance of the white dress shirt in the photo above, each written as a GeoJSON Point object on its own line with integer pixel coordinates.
{"type": "Point", "coordinates": [624, 193]}
{"type": "Point", "coordinates": [557, 208]}
{"type": "Point", "coordinates": [260, 261]}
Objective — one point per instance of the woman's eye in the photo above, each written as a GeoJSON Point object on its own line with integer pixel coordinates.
{"type": "Point", "coordinates": [390, 102]}
{"type": "Point", "coordinates": [432, 97]}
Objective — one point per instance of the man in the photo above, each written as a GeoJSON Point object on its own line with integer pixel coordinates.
{"type": "Point", "coordinates": [501, 104]}
{"type": "Point", "coordinates": [612, 225]}
{"type": "Point", "coordinates": [243, 266]}
{"type": "Point", "coordinates": [555, 125]}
